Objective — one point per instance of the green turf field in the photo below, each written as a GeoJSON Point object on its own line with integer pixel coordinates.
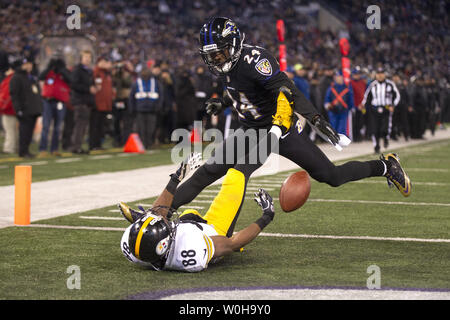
{"type": "Point", "coordinates": [34, 261]}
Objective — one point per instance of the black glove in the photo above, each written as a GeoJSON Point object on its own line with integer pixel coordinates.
{"type": "Point", "coordinates": [265, 201]}
{"type": "Point", "coordinates": [323, 126]}
{"type": "Point", "coordinates": [214, 106]}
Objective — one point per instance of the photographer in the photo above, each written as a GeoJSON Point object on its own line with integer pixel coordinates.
{"type": "Point", "coordinates": [56, 94]}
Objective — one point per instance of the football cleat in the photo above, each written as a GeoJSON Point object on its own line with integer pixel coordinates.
{"type": "Point", "coordinates": [395, 174]}
{"type": "Point", "coordinates": [283, 116]}
{"type": "Point", "coordinates": [130, 214]}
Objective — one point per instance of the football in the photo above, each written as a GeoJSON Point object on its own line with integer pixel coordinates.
{"type": "Point", "coordinates": [295, 191]}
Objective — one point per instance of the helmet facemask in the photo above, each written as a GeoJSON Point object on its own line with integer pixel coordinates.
{"type": "Point", "coordinates": [148, 241]}
{"type": "Point", "coordinates": [221, 56]}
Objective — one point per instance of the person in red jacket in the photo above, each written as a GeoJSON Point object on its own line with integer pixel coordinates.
{"type": "Point", "coordinates": [56, 94]}
{"type": "Point", "coordinates": [8, 115]}
{"type": "Point", "coordinates": [103, 102]}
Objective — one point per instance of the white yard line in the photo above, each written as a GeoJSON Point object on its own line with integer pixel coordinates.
{"type": "Point", "coordinates": [415, 183]}
{"type": "Point", "coordinates": [67, 160]}
{"type": "Point", "coordinates": [100, 218]}
{"type": "Point", "coordinates": [382, 202]}
{"type": "Point", "coordinates": [264, 234]}
{"type": "Point", "coordinates": [426, 170]}
{"type": "Point", "coordinates": [310, 236]}
{"type": "Point", "coordinates": [60, 197]}
{"type": "Point", "coordinates": [36, 163]}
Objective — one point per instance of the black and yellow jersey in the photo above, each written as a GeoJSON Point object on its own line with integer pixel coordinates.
{"type": "Point", "coordinates": [252, 87]}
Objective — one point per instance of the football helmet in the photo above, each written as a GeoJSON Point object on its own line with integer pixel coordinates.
{"type": "Point", "coordinates": [148, 240]}
{"type": "Point", "coordinates": [220, 44]}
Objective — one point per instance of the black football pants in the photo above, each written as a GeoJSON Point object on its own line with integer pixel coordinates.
{"type": "Point", "coordinates": [296, 146]}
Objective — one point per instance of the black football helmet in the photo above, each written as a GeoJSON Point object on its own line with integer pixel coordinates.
{"type": "Point", "coordinates": [220, 44]}
{"type": "Point", "coordinates": [148, 240]}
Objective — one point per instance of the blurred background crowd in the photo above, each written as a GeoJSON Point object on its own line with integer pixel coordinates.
{"type": "Point", "coordinates": [148, 51]}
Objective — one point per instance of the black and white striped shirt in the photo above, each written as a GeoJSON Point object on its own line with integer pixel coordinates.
{"type": "Point", "coordinates": [381, 94]}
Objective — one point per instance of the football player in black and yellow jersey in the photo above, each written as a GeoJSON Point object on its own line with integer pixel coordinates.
{"type": "Point", "coordinates": [263, 98]}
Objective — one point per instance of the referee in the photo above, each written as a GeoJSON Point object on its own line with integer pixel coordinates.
{"type": "Point", "coordinates": [380, 98]}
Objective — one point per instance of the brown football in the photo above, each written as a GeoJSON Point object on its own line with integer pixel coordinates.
{"type": "Point", "coordinates": [295, 191]}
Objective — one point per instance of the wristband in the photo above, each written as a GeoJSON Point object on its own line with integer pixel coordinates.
{"type": "Point", "coordinates": [173, 184]}
{"type": "Point", "coordinates": [263, 221]}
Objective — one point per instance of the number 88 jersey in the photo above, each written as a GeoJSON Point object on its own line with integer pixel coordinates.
{"type": "Point", "coordinates": [192, 249]}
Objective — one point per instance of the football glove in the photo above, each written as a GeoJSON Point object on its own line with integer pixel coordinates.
{"type": "Point", "coordinates": [324, 127]}
{"type": "Point", "coordinates": [214, 106]}
{"type": "Point", "coordinates": [192, 162]}
{"type": "Point", "coordinates": [265, 201]}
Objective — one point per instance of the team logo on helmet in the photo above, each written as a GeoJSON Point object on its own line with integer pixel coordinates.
{"type": "Point", "coordinates": [230, 27]}
{"type": "Point", "coordinates": [162, 246]}
{"type": "Point", "coordinates": [264, 67]}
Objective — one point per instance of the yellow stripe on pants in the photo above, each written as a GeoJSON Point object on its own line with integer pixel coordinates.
{"type": "Point", "coordinates": [226, 204]}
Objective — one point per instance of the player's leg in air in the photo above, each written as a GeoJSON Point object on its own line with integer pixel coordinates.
{"type": "Point", "coordinates": [300, 149]}
{"type": "Point", "coordinates": [218, 165]}
{"type": "Point", "coordinates": [224, 209]}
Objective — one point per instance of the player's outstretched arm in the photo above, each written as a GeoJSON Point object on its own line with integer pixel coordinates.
{"type": "Point", "coordinates": [191, 163]}
{"type": "Point", "coordinates": [224, 245]}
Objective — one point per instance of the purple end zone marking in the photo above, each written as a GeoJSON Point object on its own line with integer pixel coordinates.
{"type": "Point", "coordinates": [155, 295]}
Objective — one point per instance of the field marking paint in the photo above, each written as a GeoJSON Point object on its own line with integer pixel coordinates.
{"type": "Point", "coordinates": [67, 160]}
{"type": "Point", "coordinates": [100, 157]}
{"type": "Point", "coordinates": [427, 170]}
{"type": "Point", "coordinates": [36, 163]}
{"type": "Point", "coordinates": [382, 202]}
{"type": "Point", "coordinates": [263, 234]}
{"type": "Point", "coordinates": [309, 236]}
{"type": "Point", "coordinates": [100, 218]}
{"type": "Point", "coordinates": [49, 226]}
{"type": "Point", "coordinates": [432, 184]}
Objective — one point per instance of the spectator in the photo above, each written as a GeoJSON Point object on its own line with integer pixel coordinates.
{"type": "Point", "coordinates": [146, 99]}
{"type": "Point", "coordinates": [8, 115]}
{"type": "Point", "coordinates": [324, 83]}
{"type": "Point", "coordinates": [56, 94]}
{"type": "Point", "coordinates": [418, 113]}
{"type": "Point", "coordinates": [359, 86]}
{"type": "Point", "coordinates": [169, 109]}
{"type": "Point", "coordinates": [103, 103]}
{"type": "Point", "coordinates": [300, 80]}
{"type": "Point", "coordinates": [338, 103]}
{"type": "Point", "coordinates": [82, 99]}
{"type": "Point", "coordinates": [122, 75]}
{"type": "Point", "coordinates": [203, 91]}
{"type": "Point", "coordinates": [400, 123]}
{"type": "Point", "coordinates": [185, 100]}
{"type": "Point", "coordinates": [4, 64]}
{"type": "Point", "coordinates": [27, 104]}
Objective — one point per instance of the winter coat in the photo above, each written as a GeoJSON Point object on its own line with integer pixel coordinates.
{"type": "Point", "coordinates": [25, 95]}
{"type": "Point", "coordinates": [82, 80]}
{"type": "Point", "coordinates": [104, 97]}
